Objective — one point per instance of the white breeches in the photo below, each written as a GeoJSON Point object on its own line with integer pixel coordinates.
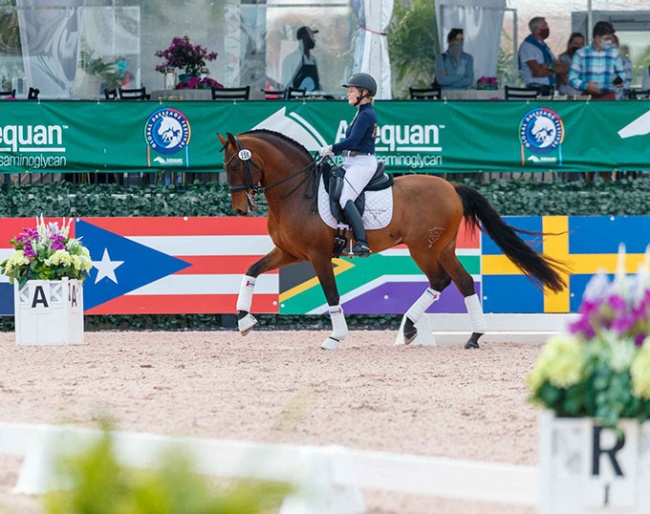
{"type": "Point", "coordinates": [358, 172]}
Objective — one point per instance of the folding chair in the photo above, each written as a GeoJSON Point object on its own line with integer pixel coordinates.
{"type": "Point", "coordinates": [231, 93]}
{"type": "Point", "coordinates": [293, 93]}
{"type": "Point", "coordinates": [639, 94]}
{"type": "Point", "coordinates": [133, 94]}
{"type": "Point", "coordinates": [426, 93]}
{"type": "Point", "coordinates": [520, 93]}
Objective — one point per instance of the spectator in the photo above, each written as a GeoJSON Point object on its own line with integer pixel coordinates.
{"type": "Point", "coordinates": [125, 77]}
{"type": "Point", "coordinates": [455, 68]}
{"type": "Point", "coordinates": [537, 63]}
{"type": "Point", "coordinates": [597, 69]}
{"type": "Point", "coordinates": [576, 41]}
{"type": "Point", "coordinates": [623, 92]}
{"type": "Point", "coordinates": [299, 68]}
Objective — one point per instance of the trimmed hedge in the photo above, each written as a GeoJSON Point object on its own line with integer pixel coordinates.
{"type": "Point", "coordinates": [509, 197]}
{"type": "Point", "coordinates": [628, 196]}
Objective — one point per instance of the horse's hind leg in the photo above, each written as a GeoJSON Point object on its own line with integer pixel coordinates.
{"type": "Point", "coordinates": [438, 280]}
{"type": "Point", "coordinates": [276, 258]}
{"type": "Point", "coordinates": [465, 284]}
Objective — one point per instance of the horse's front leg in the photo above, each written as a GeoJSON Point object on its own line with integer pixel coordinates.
{"type": "Point", "coordinates": [276, 258]}
{"type": "Point", "coordinates": [325, 273]}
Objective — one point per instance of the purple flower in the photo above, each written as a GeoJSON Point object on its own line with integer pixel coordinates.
{"type": "Point", "coordinates": [639, 338]}
{"type": "Point", "coordinates": [623, 324]}
{"type": "Point", "coordinates": [29, 251]}
{"type": "Point", "coordinates": [199, 83]}
{"type": "Point", "coordinates": [582, 326]}
{"type": "Point", "coordinates": [617, 303]}
{"type": "Point", "coordinates": [57, 242]}
{"type": "Point", "coordinates": [27, 234]}
{"type": "Point", "coordinates": [184, 55]}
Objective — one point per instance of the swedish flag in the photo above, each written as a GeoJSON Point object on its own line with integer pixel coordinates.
{"type": "Point", "coordinates": [586, 244]}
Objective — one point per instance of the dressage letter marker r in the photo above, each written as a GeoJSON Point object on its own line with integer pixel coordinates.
{"type": "Point", "coordinates": [612, 468]}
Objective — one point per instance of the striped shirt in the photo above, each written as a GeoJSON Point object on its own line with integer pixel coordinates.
{"type": "Point", "coordinates": [590, 65]}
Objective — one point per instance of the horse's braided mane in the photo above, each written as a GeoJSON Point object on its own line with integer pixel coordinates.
{"type": "Point", "coordinates": [293, 142]}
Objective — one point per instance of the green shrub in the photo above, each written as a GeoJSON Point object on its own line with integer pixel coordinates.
{"type": "Point", "coordinates": [98, 484]}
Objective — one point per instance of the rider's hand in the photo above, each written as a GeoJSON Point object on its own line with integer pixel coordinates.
{"type": "Point", "coordinates": [326, 151]}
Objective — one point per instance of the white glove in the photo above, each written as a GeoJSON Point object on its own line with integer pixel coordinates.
{"type": "Point", "coordinates": [326, 151]}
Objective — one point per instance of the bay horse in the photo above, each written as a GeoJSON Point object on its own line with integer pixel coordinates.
{"type": "Point", "coordinates": [427, 212]}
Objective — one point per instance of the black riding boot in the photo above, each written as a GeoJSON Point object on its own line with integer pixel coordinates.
{"type": "Point", "coordinates": [360, 248]}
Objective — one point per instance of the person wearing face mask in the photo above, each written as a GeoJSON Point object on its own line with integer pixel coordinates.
{"type": "Point", "coordinates": [537, 63]}
{"type": "Point", "coordinates": [299, 68]}
{"type": "Point", "coordinates": [455, 68]}
{"type": "Point", "coordinates": [597, 69]}
{"type": "Point", "coordinates": [358, 149]}
{"type": "Point", "coordinates": [576, 41]}
{"type": "Point", "coordinates": [623, 92]}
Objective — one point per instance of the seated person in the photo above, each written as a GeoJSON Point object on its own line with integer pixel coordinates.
{"type": "Point", "coordinates": [455, 68]}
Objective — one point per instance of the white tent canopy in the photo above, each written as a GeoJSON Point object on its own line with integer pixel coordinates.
{"type": "Point", "coordinates": [371, 45]}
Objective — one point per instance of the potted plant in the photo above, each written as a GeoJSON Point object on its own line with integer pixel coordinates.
{"type": "Point", "coordinates": [594, 382]}
{"type": "Point", "coordinates": [47, 269]}
{"type": "Point", "coordinates": [183, 55]}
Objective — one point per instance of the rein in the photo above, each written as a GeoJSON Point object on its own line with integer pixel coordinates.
{"type": "Point", "coordinates": [245, 156]}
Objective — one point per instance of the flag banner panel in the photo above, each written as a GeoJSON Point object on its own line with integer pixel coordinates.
{"type": "Point", "coordinates": [182, 265]}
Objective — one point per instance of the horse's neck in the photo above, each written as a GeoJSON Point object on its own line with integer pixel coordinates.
{"type": "Point", "coordinates": [287, 184]}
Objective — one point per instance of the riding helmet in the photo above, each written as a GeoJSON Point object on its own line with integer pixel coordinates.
{"type": "Point", "coordinates": [364, 81]}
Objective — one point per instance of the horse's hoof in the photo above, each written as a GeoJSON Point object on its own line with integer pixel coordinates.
{"type": "Point", "coordinates": [330, 344]}
{"type": "Point", "coordinates": [246, 323]}
{"type": "Point", "coordinates": [472, 342]}
{"type": "Point", "coordinates": [410, 332]}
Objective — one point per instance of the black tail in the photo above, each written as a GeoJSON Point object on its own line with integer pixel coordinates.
{"type": "Point", "coordinates": [534, 264]}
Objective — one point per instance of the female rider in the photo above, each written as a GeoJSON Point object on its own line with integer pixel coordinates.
{"type": "Point", "coordinates": [358, 149]}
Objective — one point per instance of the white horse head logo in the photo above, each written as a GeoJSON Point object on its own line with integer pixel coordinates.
{"type": "Point", "coordinates": [170, 131]}
{"type": "Point", "coordinates": [544, 131]}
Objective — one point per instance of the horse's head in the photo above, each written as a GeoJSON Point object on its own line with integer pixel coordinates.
{"type": "Point", "coordinates": [242, 172]}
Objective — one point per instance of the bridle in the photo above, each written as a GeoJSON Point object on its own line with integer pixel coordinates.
{"type": "Point", "coordinates": [252, 190]}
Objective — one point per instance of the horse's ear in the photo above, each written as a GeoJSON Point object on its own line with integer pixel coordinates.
{"type": "Point", "coordinates": [223, 140]}
{"type": "Point", "coordinates": [231, 139]}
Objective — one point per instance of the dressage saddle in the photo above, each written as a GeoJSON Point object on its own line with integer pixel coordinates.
{"type": "Point", "coordinates": [333, 179]}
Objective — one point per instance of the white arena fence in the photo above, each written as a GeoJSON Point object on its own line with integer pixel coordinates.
{"type": "Point", "coordinates": [327, 479]}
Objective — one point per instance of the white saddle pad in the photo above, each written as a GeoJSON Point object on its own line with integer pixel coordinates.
{"type": "Point", "coordinates": [377, 213]}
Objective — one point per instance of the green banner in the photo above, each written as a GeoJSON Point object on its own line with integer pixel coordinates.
{"type": "Point", "coordinates": [417, 136]}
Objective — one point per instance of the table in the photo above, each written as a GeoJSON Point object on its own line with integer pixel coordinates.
{"type": "Point", "coordinates": [182, 94]}
{"type": "Point", "coordinates": [473, 94]}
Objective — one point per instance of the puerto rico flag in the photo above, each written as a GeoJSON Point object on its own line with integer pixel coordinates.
{"type": "Point", "coordinates": [164, 265]}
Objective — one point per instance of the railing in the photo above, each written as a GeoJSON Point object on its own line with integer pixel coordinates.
{"type": "Point", "coordinates": [329, 479]}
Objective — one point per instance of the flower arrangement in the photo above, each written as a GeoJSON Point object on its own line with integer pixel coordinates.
{"type": "Point", "coordinates": [46, 253]}
{"type": "Point", "coordinates": [487, 83]}
{"type": "Point", "coordinates": [601, 366]}
{"type": "Point", "coordinates": [199, 83]}
{"type": "Point", "coordinates": [184, 55]}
